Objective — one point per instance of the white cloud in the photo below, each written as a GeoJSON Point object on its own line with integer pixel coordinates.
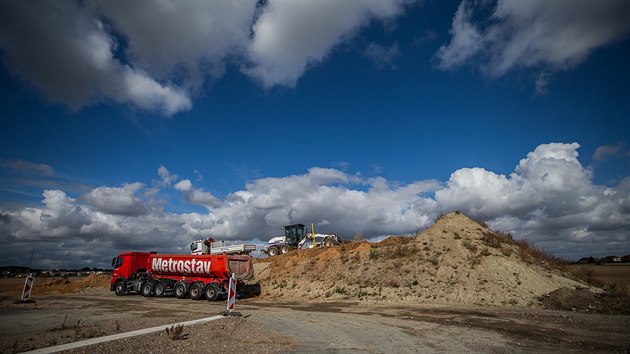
{"type": "Point", "coordinates": [155, 58]}
{"type": "Point", "coordinates": [290, 36]}
{"type": "Point", "coordinates": [466, 41]}
{"type": "Point", "coordinates": [196, 195]}
{"type": "Point", "coordinates": [169, 37]}
{"type": "Point", "coordinates": [549, 198]}
{"type": "Point", "coordinates": [552, 35]}
{"type": "Point", "coordinates": [166, 177]}
{"type": "Point", "coordinates": [183, 185]}
{"type": "Point", "coordinates": [117, 200]}
{"type": "Point", "coordinates": [64, 50]}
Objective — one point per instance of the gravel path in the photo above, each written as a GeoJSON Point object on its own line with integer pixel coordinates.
{"type": "Point", "coordinates": [269, 327]}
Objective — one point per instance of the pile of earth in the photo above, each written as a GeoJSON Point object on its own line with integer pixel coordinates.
{"type": "Point", "coordinates": [66, 285]}
{"type": "Point", "coordinates": [584, 300]}
{"type": "Point", "coordinates": [455, 261]}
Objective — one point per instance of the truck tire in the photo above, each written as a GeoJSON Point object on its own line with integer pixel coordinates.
{"type": "Point", "coordinates": [212, 292]}
{"type": "Point", "coordinates": [196, 291]}
{"type": "Point", "coordinates": [159, 289]}
{"type": "Point", "coordinates": [147, 289]}
{"type": "Point", "coordinates": [329, 242]}
{"type": "Point", "coordinates": [284, 249]}
{"type": "Point", "coordinates": [119, 288]}
{"type": "Point", "coordinates": [272, 251]}
{"type": "Point", "coordinates": [180, 290]}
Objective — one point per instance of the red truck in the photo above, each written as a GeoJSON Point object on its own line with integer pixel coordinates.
{"type": "Point", "coordinates": [194, 276]}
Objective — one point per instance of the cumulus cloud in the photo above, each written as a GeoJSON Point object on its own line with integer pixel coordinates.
{"type": "Point", "coordinates": [117, 200]}
{"type": "Point", "coordinates": [190, 36]}
{"type": "Point", "coordinates": [196, 195]}
{"type": "Point", "coordinates": [65, 51]}
{"type": "Point", "coordinates": [552, 35]}
{"type": "Point", "coordinates": [550, 180]}
{"type": "Point", "coordinates": [155, 57]}
{"type": "Point", "coordinates": [290, 36]}
{"type": "Point", "coordinates": [549, 198]}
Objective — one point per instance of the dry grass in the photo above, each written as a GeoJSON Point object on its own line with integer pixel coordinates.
{"type": "Point", "coordinates": [176, 332]}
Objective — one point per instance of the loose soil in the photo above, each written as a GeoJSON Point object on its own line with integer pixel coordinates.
{"type": "Point", "coordinates": [456, 261]}
{"type": "Point", "coordinates": [324, 327]}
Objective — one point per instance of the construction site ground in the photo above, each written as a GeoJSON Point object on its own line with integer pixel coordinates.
{"type": "Point", "coordinates": [332, 327]}
{"type": "Point", "coordinates": [456, 287]}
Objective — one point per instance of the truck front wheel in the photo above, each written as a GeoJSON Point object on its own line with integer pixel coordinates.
{"type": "Point", "coordinates": [147, 289]}
{"type": "Point", "coordinates": [212, 292]}
{"type": "Point", "coordinates": [119, 288]}
{"type": "Point", "coordinates": [196, 291]}
{"type": "Point", "coordinates": [329, 242]}
{"type": "Point", "coordinates": [284, 249]}
{"type": "Point", "coordinates": [180, 290]}
{"type": "Point", "coordinates": [272, 251]}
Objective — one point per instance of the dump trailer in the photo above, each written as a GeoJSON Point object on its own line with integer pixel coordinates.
{"type": "Point", "coordinates": [208, 246]}
{"type": "Point", "coordinates": [185, 276]}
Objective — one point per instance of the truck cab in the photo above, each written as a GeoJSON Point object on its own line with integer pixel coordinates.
{"type": "Point", "coordinates": [128, 264]}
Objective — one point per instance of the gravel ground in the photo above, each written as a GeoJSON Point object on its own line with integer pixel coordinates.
{"type": "Point", "coordinates": [232, 334]}
{"type": "Point", "coordinates": [333, 327]}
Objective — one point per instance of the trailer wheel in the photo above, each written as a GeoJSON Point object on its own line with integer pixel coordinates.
{"type": "Point", "coordinates": [212, 292]}
{"type": "Point", "coordinates": [159, 289]}
{"type": "Point", "coordinates": [147, 289]}
{"type": "Point", "coordinates": [272, 251]}
{"type": "Point", "coordinates": [196, 291]}
{"type": "Point", "coordinates": [180, 290]}
{"type": "Point", "coordinates": [284, 249]}
{"type": "Point", "coordinates": [329, 242]}
{"type": "Point", "coordinates": [119, 288]}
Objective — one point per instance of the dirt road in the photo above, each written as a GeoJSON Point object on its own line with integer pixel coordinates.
{"type": "Point", "coordinates": [324, 327]}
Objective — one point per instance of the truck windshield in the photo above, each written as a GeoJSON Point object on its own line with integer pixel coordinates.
{"type": "Point", "coordinates": [117, 262]}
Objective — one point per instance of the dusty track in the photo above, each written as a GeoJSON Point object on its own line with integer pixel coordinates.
{"type": "Point", "coordinates": [323, 327]}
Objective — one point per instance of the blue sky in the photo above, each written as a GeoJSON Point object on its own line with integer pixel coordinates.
{"type": "Point", "coordinates": [229, 119]}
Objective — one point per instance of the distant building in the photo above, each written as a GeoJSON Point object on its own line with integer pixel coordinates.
{"type": "Point", "coordinates": [626, 258]}
{"type": "Point", "coordinates": [611, 259]}
{"type": "Point", "coordinates": [586, 260]}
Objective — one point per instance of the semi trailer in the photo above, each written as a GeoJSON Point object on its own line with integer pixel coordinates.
{"type": "Point", "coordinates": [185, 276]}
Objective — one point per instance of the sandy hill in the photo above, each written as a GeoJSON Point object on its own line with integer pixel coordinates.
{"type": "Point", "coordinates": [456, 261]}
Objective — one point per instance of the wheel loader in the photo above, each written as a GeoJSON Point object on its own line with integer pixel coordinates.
{"type": "Point", "coordinates": [296, 236]}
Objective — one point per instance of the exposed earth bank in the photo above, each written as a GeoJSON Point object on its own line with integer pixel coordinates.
{"type": "Point", "coordinates": [456, 261]}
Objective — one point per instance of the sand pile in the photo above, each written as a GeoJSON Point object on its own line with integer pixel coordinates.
{"type": "Point", "coordinates": [455, 261]}
{"type": "Point", "coordinates": [47, 286]}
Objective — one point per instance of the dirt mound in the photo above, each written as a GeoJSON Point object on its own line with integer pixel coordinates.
{"type": "Point", "coordinates": [49, 286]}
{"type": "Point", "coordinates": [584, 300]}
{"type": "Point", "coordinates": [456, 261]}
